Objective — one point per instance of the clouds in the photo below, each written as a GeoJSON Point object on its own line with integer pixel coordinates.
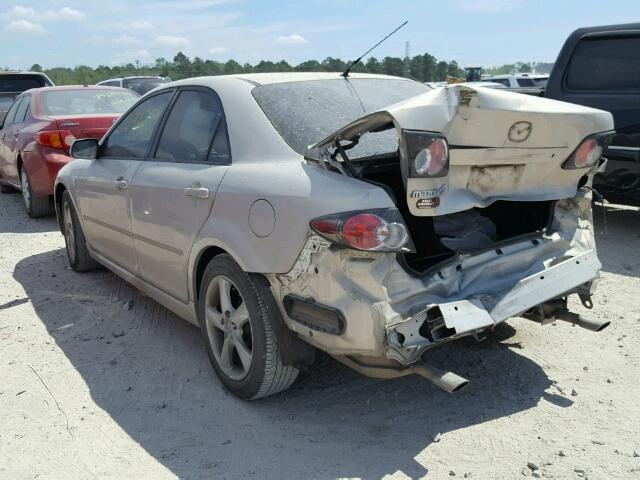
{"type": "Point", "coordinates": [27, 20]}
{"type": "Point", "coordinates": [217, 50]}
{"type": "Point", "coordinates": [170, 41]}
{"type": "Point", "coordinates": [293, 39]}
{"type": "Point", "coordinates": [24, 26]}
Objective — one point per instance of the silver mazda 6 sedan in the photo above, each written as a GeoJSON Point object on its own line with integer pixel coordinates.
{"type": "Point", "coordinates": [367, 216]}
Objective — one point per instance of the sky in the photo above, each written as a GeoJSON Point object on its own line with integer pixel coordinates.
{"type": "Point", "coordinates": [472, 32]}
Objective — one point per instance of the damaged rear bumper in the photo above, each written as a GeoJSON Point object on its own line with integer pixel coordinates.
{"type": "Point", "coordinates": [385, 312]}
{"type": "Point", "coordinates": [448, 320]}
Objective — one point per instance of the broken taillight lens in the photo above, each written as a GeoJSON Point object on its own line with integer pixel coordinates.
{"type": "Point", "coordinates": [589, 151]}
{"type": "Point", "coordinates": [426, 152]}
{"type": "Point", "coordinates": [379, 230]}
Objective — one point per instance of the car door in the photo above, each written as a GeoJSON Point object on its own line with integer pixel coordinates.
{"type": "Point", "coordinates": [16, 142]}
{"type": "Point", "coordinates": [7, 141]}
{"type": "Point", "coordinates": [173, 192]}
{"type": "Point", "coordinates": [103, 187]}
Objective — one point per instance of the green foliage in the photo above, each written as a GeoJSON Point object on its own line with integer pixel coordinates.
{"type": "Point", "coordinates": [422, 68]}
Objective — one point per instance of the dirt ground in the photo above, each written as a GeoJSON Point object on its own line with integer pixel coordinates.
{"type": "Point", "coordinates": [98, 381]}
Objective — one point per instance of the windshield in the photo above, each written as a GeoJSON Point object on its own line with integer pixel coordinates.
{"type": "Point", "coordinates": [306, 112]}
{"type": "Point", "coordinates": [144, 85]}
{"type": "Point", "coordinates": [20, 83]}
{"type": "Point", "coordinates": [87, 101]}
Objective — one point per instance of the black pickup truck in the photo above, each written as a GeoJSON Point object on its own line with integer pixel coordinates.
{"type": "Point", "coordinates": [599, 67]}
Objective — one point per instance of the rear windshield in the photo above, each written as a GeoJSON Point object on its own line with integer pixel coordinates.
{"type": "Point", "coordinates": [606, 64]}
{"type": "Point", "coordinates": [20, 83]}
{"type": "Point", "coordinates": [306, 112]}
{"type": "Point", "coordinates": [86, 102]}
{"type": "Point", "coordinates": [144, 85]}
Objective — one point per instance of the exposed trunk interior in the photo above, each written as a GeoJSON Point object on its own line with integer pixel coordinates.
{"type": "Point", "coordinates": [439, 238]}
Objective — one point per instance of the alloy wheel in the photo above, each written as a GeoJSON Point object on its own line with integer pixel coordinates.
{"type": "Point", "coordinates": [229, 328]}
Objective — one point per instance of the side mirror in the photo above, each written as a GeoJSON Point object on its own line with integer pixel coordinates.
{"type": "Point", "coordinates": [86, 148]}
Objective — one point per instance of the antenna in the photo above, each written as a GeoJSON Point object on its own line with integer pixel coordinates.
{"type": "Point", "coordinates": [345, 74]}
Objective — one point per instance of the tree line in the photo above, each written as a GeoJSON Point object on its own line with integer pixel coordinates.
{"type": "Point", "coordinates": [423, 68]}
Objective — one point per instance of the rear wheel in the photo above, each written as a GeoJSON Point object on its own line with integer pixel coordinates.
{"type": "Point", "coordinates": [35, 206]}
{"type": "Point", "coordinates": [238, 316]}
{"type": "Point", "coordinates": [77, 252]}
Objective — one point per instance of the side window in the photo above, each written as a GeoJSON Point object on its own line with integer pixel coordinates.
{"type": "Point", "coordinates": [8, 119]}
{"type": "Point", "coordinates": [21, 112]}
{"type": "Point", "coordinates": [133, 135]}
{"type": "Point", "coordinates": [606, 65]}
{"type": "Point", "coordinates": [195, 130]}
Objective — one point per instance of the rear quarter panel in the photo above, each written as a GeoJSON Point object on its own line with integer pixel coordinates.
{"type": "Point", "coordinates": [297, 191]}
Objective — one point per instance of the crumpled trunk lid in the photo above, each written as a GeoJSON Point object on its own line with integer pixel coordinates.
{"type": "Point", "coordinates": [502, 146]}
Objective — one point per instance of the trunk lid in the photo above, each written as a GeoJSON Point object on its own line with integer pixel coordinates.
{"type": "Point", "coordinates": [86, 126]}
{"type": "Point", "coordinates": [502, 145]}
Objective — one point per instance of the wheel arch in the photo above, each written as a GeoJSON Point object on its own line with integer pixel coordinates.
{"type": "Point", "coordinates": [58, 191]}
{"type": "Point", "coordinates": [204, 256]}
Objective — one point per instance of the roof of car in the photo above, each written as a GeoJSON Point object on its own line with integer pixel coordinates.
{"type": "Point", "coordinates": [74, 87]}
{"type": "Point", "coordinates": [10, 72]}
{"type": "Point", "coordinates": [133, 76]}
{"type": "Point", "coordinates": [283, 77]}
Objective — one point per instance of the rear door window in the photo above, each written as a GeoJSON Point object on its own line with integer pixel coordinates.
{"type": "Point", "coordinates": [132, 137]}
{"type": "Point", "coordinates": [609, 64]}
{"type": "Point", "coordinates": [21, 112]}
{"type": "Point", "coordinates": [8, 119]}
{"type": "Point", "coordinates": [195, 130]}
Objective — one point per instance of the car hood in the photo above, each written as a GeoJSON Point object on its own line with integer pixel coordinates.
{"type": "Point", "coordinates": [491, 157]}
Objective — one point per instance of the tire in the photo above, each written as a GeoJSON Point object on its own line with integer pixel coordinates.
{"type": "Point", "coordinates": [35, 206]}
{"type": "Point", "coordinates": [7, 189]}
{"type": "Point", "coordinates": [79, 257]}
{"type": "Point", "coordinates": [247, 322]}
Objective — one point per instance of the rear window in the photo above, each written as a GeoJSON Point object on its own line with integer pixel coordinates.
{"type": "Point", "coordinates": [306, 112]}
{"type": "Point", "coordinates": [144, 85]}
{"type": "Point", "coordinates": [526, 82]}
{"type": "Point", "coordinates": [87, 101]}
{"type": "Point", "coordinates": [605, 64]}
{"type": "Point", "coordinates": [20, 83]}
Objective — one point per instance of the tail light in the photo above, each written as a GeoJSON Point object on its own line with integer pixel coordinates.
{"type": "Point", "coordinates": [379, 230]}
{"type": "Point", "coordinates": [589, 151]}
{"type": "Point", "coordinates": [426, 152]}
{"type": "Point", "coordinates": [55, 138]}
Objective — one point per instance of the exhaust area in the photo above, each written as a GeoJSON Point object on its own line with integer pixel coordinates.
{"type": "Point", "coordinates": [386, 369]}
{"type": "Point", "coordinates": [592, 324]}
{"type": "Point", "coordinates": [557, 310]}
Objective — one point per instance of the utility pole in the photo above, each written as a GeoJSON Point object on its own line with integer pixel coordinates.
{"type": "Point", "coordinates": [407, 60]}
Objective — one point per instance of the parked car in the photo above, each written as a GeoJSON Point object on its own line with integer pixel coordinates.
{"type": "Point", "coordinates": [39, 128]}
{"type": "Point", "coordinates": [13, 84]}
{"type": "Point", "coordinates": [140, 84]}
{"type": "Point", "coordinates": [600, 67]}
{"type": "Point", "coordinates": [521, 83]}
{"type": "Point", "coordinates": [371, 217]}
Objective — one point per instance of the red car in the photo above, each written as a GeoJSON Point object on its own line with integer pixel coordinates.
{"type": "Point", "coordinates": [40, 127]}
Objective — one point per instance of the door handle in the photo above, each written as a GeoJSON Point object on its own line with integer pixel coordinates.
{"type": "Point", "coordinates": [121, 184]}
{"type": "Point", "coordinates": [196, 192]}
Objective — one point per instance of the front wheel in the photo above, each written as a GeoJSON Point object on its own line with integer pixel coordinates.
{"type": "Point", "coordinates": [238, 317]}
{"type": "Point", "coordinates": [35, 206]}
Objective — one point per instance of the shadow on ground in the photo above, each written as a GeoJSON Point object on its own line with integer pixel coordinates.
{"type": "Point", "coordinates": [618, 238]}
{"type": "Point", "coordinates": [148, 370]}
{"type": "Point", "coordinates": [17, 221]}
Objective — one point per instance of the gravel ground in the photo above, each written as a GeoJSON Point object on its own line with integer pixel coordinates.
{"type": "Point", "coordinates": [98, 381]}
